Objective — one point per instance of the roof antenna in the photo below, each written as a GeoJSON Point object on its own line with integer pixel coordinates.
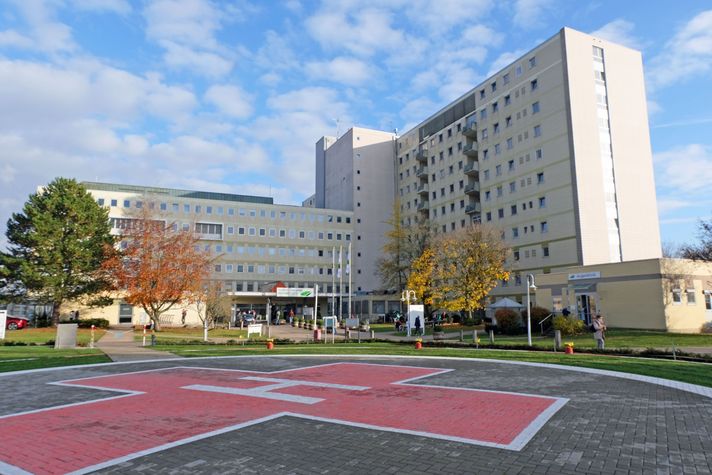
{"type": "Point", "coordinates": [337, 120]}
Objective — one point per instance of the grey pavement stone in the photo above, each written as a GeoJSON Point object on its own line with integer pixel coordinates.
{"type": "Point", "coordinates": [609, 425]}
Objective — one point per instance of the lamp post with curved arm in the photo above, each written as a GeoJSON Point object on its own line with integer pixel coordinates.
{"type": "Point", "coordinates": [530, 286]}
{"type": "Point", "coordinates": [406, 297]}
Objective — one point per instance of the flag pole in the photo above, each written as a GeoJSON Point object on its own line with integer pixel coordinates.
{"type": "Point", "coordinates": [341, 280]}
{"type": "Point", "coordinates": [333, 279]}
{"type": "Point", "coordinates": [348, 270]}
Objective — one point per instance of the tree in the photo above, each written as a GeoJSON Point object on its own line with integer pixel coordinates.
{"type": "Point", "coordinates": [56, 246]}
{"type": "Point", "coordinates": [420, 279]}
{"type": "Point", "coordinates": [211, 304]}
{"type": "Point", "coordinates": [468, 265]}
{"type": "Point", "coordinates": [404, 244]}
{"type": "Point", "coordinates": [158, 266]}
{"type": "Point", "coordinates": [703, 250]}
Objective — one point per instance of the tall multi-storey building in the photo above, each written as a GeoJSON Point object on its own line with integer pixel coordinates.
{"type": "Point", "coordinates": [257, 245]}
{"type": "Point", "coordinates": [553, 149]}
{"type": "Point", "coordinates": [356, 173]}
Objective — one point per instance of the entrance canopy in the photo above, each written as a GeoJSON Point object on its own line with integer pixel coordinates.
{"type": "Point", "coordinates": [506, 303]}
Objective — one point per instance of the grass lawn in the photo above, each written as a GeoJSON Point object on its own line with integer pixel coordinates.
{"type": "Point", "coordinates": [615, 338]}
{"type": "Point", "coordinates": [15, 358]}
{"type": "Point", "coordinates": [192, 333]}
{"type": "Point", "coordinates": [41, 336]}
{"type": "Point", "coordinates": [695, 373]}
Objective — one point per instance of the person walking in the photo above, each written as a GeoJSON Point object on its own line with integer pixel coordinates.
{"type": "Point", "coordinates": [417, 325]}
{"type": "Point", "coordinates": [599, 328]}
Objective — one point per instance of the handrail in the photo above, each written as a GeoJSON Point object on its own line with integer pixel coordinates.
{"type": "Point", "coordinates": [541, 323]}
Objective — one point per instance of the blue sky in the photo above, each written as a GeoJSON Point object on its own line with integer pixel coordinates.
{"type": "Point", "coordinates": [232, 96]}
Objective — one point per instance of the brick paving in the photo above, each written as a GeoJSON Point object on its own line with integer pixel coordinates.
{"type": "Point", "coordinates": [609, 425]}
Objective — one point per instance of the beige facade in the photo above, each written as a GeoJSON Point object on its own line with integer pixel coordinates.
{"type": "Point", "coordinates": [357, 173]}
{"type": "Point", "coordinates": [256, 243]}
{"type": "Point", "coordinates": [554, 150]}
{"type": "Point", "coordinates": [656, 294]}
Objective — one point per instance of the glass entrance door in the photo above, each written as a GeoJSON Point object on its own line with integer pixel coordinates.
{"type": "Point", "coordinates": [125, 313]}
{"type": "Point", "coordinates": [586, 304]}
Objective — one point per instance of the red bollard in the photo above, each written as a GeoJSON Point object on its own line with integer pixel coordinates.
{"type": "Point", "coordinates": [270, 344]}
{"type": "Point", "coordinates": [418, 344]}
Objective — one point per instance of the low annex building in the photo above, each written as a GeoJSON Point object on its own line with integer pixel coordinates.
{"type": "Point", "coordinates": [654, 294]}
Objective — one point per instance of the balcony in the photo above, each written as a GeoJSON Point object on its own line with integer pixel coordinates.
{"type": "Point", "coordinates": [470, 149]}
{"type": "Point", "coordinates": [422, 156]}
{"type": "Point", "coordinates": [472, 168]}
{"type": "Point", "coordinates": [470, 130]}
{"type": "Point", "coordinates": [422, 172]}
{"type": "Point", "coordinates": [423, 189]}
{"type": "Point", "coordinates": [473, 208]}
{"type": "Point", "coordinates": [423, 206]}
{"type": "Point", "coordinates": [472, 188]}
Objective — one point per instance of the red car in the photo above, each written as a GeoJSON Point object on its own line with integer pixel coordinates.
{"type": "Point", "coordinates": [16, 323]}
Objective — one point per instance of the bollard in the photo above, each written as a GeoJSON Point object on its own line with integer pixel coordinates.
{"type": "Point", "coordinates": [475, 340]}
{"type": "Point", "coordinates": [491, 337]}
{"type": "Point", "coordinates": [270, 344]}
{"type": "Point", "coordinates": [557, 340]}
{"type": "Point", "coordinates": [144, 334]}
{"type": "Point", "coordinates": [373, 335]}
{"type": "Point", "coordinates": [91, 343]}
{"type": "Point", "coordinates": [153, 339]}
{"type": "Point", "coordinates": [462, 335]}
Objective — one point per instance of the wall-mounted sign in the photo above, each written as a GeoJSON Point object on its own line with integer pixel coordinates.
{"type": "Point", "coordinates": [294, 292]}
{"type": "Point", "coordinates": [585, 275]}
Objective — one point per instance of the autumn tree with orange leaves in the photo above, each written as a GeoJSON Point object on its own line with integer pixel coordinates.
{"type": "Point", "coordinates": [157, 266]}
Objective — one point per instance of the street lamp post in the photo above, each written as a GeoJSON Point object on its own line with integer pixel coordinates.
{"type": "Point", "coordinates": [530, 286]}
{"type": "Point", "coordinates": [406, 297]}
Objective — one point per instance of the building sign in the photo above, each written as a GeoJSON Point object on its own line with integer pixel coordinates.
{"type": "Point", "coordinates": [294, 292]}
{"type": "Point", "coordinates": [585, 275]}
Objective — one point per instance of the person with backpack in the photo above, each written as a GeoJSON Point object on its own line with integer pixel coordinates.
{"type": "Point", "coordinates": [599, 327]}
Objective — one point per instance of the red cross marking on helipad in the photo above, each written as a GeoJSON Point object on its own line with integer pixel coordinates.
{"type": "Point", "coordinates": [160, 409]}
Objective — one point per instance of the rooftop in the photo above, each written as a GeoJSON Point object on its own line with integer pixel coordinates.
{"type": "Point", "coordinates": [200, 195]}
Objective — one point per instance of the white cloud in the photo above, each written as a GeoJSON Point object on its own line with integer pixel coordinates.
{"type": "Point", "coordinates": [187, 30]}
{"type": "Point", "coordinates": [14, 39]}
{"type": "Point", "coordinates": [619, 31]}
{"type": "Point", "coordinates": [528, 13]}
{"type": "Point", "coordinates": [686, 169]}
{"type": "Point", "coordinates": [120, 7]}
{"type": "Point", "coordinates": [230, 100]}
{"type": "Point", "coordinates": [349, 71]}
{"type": "Point", "coordinates": [687, 54]}
{"type": "Point", "coordinates": [44, 33]}
{"type": "Point", "coordinates": [503, 60]}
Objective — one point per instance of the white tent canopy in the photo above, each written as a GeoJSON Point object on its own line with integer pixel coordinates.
{"type": "Point", "coordinates": [506, 303]}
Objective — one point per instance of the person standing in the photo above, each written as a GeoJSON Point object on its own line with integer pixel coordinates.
{"type": "Point", "coordinates": [599, 328]}
{"type": "Point", "coordinates": [417, 325]}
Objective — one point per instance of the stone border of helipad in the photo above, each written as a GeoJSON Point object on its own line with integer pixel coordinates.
{"type": "Point", "coordinates": [668, 383]}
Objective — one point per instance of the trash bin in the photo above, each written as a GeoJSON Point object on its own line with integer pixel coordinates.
{"type": "Point", "coordinates": [317, 334]}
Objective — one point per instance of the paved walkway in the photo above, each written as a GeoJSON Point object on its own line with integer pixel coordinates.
{"type": "Point", "coordinates": [119, 345]}
{"type": "Point", "coordinates": [348, 415]}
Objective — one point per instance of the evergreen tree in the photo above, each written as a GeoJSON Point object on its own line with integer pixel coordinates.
{"type": "Point", "coordinates": [56, 246]}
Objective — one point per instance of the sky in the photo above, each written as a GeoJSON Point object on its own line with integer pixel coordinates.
{"type": "Point", "coordinates": [231, 96]}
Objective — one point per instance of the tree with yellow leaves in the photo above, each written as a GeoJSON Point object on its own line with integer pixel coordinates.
{"type": "Point", "coordinates": [420, 279]}
{"type": "Point", "coordinates": [468, 264]}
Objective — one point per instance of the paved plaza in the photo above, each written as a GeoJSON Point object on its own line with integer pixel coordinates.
{"type": "Point", "coordinates": [350, 415]}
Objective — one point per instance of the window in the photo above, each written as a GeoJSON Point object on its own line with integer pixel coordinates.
{"type": "Point", "coordinates": [534, 83]}
{"type": "Point", "coordinates": [484, 133]}
{"type": "Point", "coordinates": [537, 131]}
{"type": "Point", "coordinates": [197, 209]}
{"type": "Point", "coordinates": [545, 251]}
{"type": "Point", "coordinates": [676, 296]}
{"type": "Point", "coordinates": [485, 154]}
{"type": "Point", "coordinates": [499, 191]}
{"type": "Point", "coordinates": [208, 210]}
{"type": "Point", "coordinates": [544, 227]}
{"type": "Point", "coordinates": [498, 170]}
{"type": "Point", "coordinates": [539, 154]}
{"type": "Point", "coordinates": [542, 202]}
{"type": "Point", "coordinates": [489, 216]}
{"type": "Point", "coordinates": [487, 195]}
{"type": "Point", "coordinates": [540, 177]}
{"type": "Point", "coordinates": [510, 165]}
{"type": "Point", "coordinates": [518, 71]}
{"type": "Point", "coordinates": [535, 107]}
{"type": "Point", "coordinates": [500, 213]}
{"type": "Point", "coordinates": [483, 114]}
{"type": "Point", "coordinates": [449, 132]}
{"type": "Point", "coordinates": [516, 255]}
{"type": "Point", "coordinates": [114, 203]}
{"type": "Point", "coordinates": [496, 128]}
{"type": "Point", "coordinates": [505, 78]}
{"type": "Point", "coordinates": [508, 121]}
{"type": "Point", "coordinates": [494, 86]}
{"type": "Point", "coordinates": [127, 204]}
{"type": "Point", "coordinates": [510, 144]}
{"type": "Point", "coordinates": [512, 186]}
{"type": "Point", "coordinates": [495, 107]}
{"type": "Point", "coordinates": [691, 298]}
{"type": "Point", "coordinates": [486, 174]}
{"type": "Point", "coordinates": [497, 149]}
{"type": "Point", "coordinates": [507, 100]}
{"type": "Point", "coordinates": [532, 62]}
{"type": "Point", "coordinates": [514, 210]}
{"type": "Point", "coordinates": [440, 138]}
{"type": "Point", "coordinates": [708, 300]}
{"type": "Point", "coordinates": [515, 233]}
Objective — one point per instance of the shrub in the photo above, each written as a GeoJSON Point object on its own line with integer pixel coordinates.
{"type": "Point", "coordinates": [568, 325]}
{"type": "Point", "coordinates": [706, 327]}
{"type": "Point", "coordinates": [98, 322]}
{"type": "Point", "coordinates": [509, 322]}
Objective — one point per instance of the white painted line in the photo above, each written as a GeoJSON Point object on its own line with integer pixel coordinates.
{"type": "Point", "coordinates": [7, 469]}
{"type": "Point", "coordinates": [521, 440]}
{"type": "Point", "coordinates": [17, 359]}
{"type": "Point", "coordinates": [298, 382]}
{"type": "Point", "coordinates": [170, 445]}
{"type": "Point", "coordinates": [262, 393]}
{"type": "Point", "coordinates": [62, 406]}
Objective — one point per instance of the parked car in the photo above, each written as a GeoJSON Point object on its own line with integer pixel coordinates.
{"type": "Point", "coordinates": [16, 323]}
{"type": "Point", "coordinates": [248, 318]}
